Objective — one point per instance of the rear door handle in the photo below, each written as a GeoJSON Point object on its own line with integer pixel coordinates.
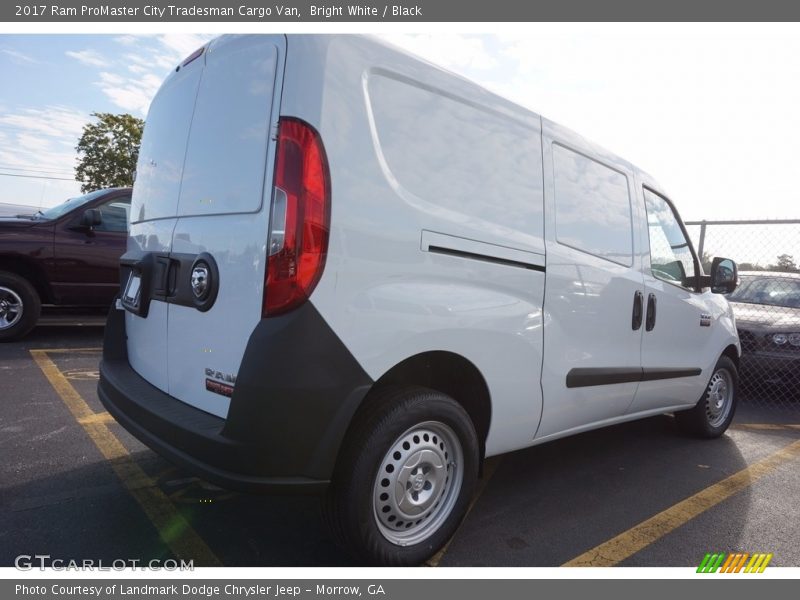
{"type": "Point", "coordinates": [650, 321]}
{"type": "Point", "coordinates": [636, 320]}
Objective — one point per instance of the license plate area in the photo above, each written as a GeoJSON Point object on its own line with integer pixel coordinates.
{"type": "Point", "coordinates": [137, 273]}
{"type": "Point", "coordinates": [130, 297]}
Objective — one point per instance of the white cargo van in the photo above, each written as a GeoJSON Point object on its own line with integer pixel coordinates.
{"type": "Point", "coordinates": [352, 273]}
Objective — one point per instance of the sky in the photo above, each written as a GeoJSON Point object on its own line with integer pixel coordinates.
{"type": "Point", "coordinates": [711, 111]}
{"type": "Point", "coordinates": [58, 81]}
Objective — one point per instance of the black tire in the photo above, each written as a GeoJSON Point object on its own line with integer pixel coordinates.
{"type": "Point", "coordinates": [355, 504]}
{"type": "Point", "coordinates": [20, 307]}
{"type": "Point", "coordinates": [708, 419]}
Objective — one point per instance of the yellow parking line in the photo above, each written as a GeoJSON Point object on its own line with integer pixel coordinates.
{"type": "Point", "coordinates": [645, 533]}
{"type": "Point", "coordinates": [56, 350]}
{"type": "Point", "coordinates": [173, 529]}
{"type": "Point", "coordinates": [489, 468]}
{"type": "Point", "coordinates": [766, 426]}
{"type": "Point", "coordinates": [101, 417]}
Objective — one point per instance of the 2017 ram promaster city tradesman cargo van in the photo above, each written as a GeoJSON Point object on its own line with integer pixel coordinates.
{"type": "Point", "coordinates": [350, 272]}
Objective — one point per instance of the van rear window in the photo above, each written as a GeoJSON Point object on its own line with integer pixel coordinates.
{"type": "Point", "coordinates": [205, 142]}
{"type": "Point", "coordinates": [593, 207]}
{"type": "Point", "coordinates": [227, 150]}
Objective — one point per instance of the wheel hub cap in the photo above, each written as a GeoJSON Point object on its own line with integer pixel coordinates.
{"type": "Point", "coordinates": [419, 482]}
{"type": "Point", "coordinates": [10, 308]}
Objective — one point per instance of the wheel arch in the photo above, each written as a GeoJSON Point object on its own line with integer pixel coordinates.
{"type": "Point", "coordinates": [732, 352]}
{"type": "Point", "coordinates": [445, 372]}
{"type": "Point", "coordinates": [29, 270]}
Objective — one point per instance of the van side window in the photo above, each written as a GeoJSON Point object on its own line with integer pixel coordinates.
{"type": "Point", "coordinates": [671, 257]}
{"type": "Point", "coordinates": [593, 207]}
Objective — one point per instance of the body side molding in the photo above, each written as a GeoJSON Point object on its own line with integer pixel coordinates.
{"type": "Point", "coordinates": [609, 375]}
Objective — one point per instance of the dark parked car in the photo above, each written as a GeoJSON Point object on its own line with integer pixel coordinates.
{"type": "Point", "coordinates": [67, 255]}
{"type": "Point", "coordinates": [767, 309]}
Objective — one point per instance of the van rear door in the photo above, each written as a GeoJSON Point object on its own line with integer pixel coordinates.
{"type": "Point", "coordinates": [154, 205]}
{"type": "Point", "coordinates": [220, 218]}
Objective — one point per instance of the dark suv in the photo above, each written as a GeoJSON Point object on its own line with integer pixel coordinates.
{"type": "Point", "coordinates": [67, 255]}
{"type": "Point", "coordinates": [767, 309]}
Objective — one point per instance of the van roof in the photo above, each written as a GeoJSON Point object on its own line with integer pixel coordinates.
{"type": "Point", "coordinates": [563, 131]}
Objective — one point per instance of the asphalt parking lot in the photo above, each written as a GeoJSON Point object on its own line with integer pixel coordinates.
{"type": "Point", "coordinates": [75, 485]}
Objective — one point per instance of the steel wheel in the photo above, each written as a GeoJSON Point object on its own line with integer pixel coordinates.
{"type": "Point", "coordinates": [713, 413]}
{"type": "Point", "coordinates": [418, 483]}
{"type": "Point", "coordinates": [404, 478]}
{"type": "Point", "coordinates": [11, 308]}
{"type": "Point", "coordinates": [719, 397]}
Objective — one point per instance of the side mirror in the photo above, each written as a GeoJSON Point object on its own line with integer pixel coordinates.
{"type": "Point", "coordinates": [724, 276]}
{"type": "Point", "coordinates": [91, 217]}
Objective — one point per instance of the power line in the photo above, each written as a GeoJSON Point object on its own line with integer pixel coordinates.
{"type": "Point", "coordinates": [9, 168]}
{"type": "Point", "coordinates": [63, 135]}
{"type": "Point", "coordinates": [38, 177]}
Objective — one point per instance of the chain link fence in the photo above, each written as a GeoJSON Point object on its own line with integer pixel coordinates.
{"type": "Point", "coordinates": [766, 303]}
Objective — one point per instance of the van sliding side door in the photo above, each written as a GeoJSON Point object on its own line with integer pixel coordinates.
{"type": "Point", "coordinates": [594, 293]}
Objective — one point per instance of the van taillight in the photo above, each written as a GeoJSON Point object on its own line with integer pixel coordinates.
{"type": "Point", "coordinates": [300, 218]}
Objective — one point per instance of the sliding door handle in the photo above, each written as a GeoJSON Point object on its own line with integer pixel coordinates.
{"type": "Point", "coordinates": [650, 321]}
{"type": "Point", "coordinates": [636, 320]}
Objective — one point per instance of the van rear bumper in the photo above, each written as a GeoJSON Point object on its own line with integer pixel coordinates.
{"type": "Point", "coordinates": [284, 425]}
{"type": "Point", "coordinates": [195, 440]}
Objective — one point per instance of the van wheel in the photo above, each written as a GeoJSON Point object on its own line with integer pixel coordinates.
{"type": "Point", "coordinates": [19, 306]}
{"type": "Point", "coordinates": [714, 412]}
{"type": "Point", "coordinates": [405, 477]}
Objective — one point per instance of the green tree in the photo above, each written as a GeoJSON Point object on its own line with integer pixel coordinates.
{"type": "Point", "coordinates": [107, 151]}
{"type": "Point", "coordinates": [785, 263]}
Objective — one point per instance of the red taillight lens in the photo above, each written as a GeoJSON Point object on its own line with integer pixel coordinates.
{"type": "Point", "coordinates": [300, 220]}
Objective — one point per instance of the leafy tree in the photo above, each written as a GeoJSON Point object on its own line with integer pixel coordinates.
{"type": "Point", "coordinates": [107, 151]}
{"type": "Point", "coordinates": [785, 263]}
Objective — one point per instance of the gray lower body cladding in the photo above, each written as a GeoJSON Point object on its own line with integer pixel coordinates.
{"type": "Point", "coordinates": [296, 392]}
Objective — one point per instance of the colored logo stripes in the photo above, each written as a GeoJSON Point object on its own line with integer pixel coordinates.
{"type": "Point", "coordinates": [734, 562]}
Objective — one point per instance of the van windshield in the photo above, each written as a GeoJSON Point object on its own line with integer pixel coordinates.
{"type": "Point", "coordinates": [68, 206]}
